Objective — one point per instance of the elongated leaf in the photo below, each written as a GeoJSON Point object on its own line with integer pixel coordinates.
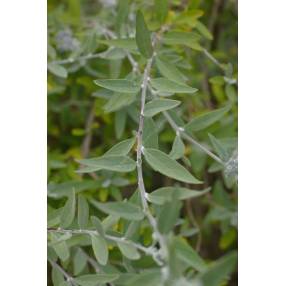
{"type": "Point", "coordinates": [57, 276]}
{"type": "Point", "coordinates": [162, 163]}
{"type": "Point", "coordinates": [112, 163]}
{"type": "Point", "coordinates": [169, 71]}
{"type": "Point", "coordinates": [206, 119]}
{"type": "Point", "coordinates": [161, 10]}
{"type": "Point", "coordinates": [58, 70]}
{"type": "Point", "coordinates": [166, 85]}
{"type": "Point", "coordinates": [187, 254]}
{"type": "Point", "coordinates": [158, 105]}
{"type": "Point", "coordinates": [62, 250]}
{"type": "Point", "coordinates": [178, 149]}
{"type": "Point", "coordinates": [165, 194]}
{"type": "Point", "coordinates": [97, 223]}
{"type": "Point", "coordinates": [79, 261]}
{"type": "Point", "coordinates": [120, 122]}
{"type": "Point", "coordinates": [128, 250]}
{"type": "Point", "coordinates": [127, 43]}
{"type": "Point", "coordinates": [125, 210]}
{"type": "Point", "coordinates": [204, 30]}
{"type": "Point", "coordinates": [122, 148]}
{"type": "Point", "coordinates": [150, 134]}
{"type": "Point", "coordinates": [143, 37]}
{"type": "Point", "coordinates": [95, 279]}
{"type": "Point", "coordinates": [68, 212]}
{"type": "Point", "coordinates": [83, 212]}
{"type": "Point", "coordinates": [100, 249]}
{"type": "Point", "coordinates": [150, 278]}
{"type": "Point", "coordinates": [219, 270]}
{"type": "Point", "coordinates": [219, 148]}
{"type": "Point", "coordinates": [119, 100]}
{"type": "Point", "coordinates": [118, 85]}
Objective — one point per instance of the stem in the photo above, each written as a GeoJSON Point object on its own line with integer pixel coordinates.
{"type": "Point", "coordinates": [213, 59]}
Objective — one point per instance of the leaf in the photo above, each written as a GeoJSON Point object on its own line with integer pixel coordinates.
{"type": "Point", "coordinates": [120, 122]}
{"type": "Point", "coordinates": [122, 148]}
{"type": "Point", "coordinates": [57, 276]}
{"type": "Point", "coordinates": [125, 210]}
{"type": "Point", "coordinates": [150, 278]}
{"type": "Point", "coordinates": [58, 70]}
{"type": "Point", "coordinates": [218, 80]}
{"type": "Point", "coordinates": [188, 255]}
{"type": "Point", "coordinates": [203, 121]}
{"type": "Point", "coordinates": [62, 250]}
{"type": "Point", "coordinates": [127, 43]}
{"type": "Point", "coordinates": [158, 105]}
{"type": "Point", "coordinates": [165, 194]}
{"type": "Point", "coordinates": [178, 149]}
{"type": "Point", "coordinates": [95, 279]}
{"type": "Point", "coordinates": [162, 163]}
{"type": "Point", "coordinates": [169, 71]}
{"type": "Point", "coordinates": [150, 134]}
{"type": "Point", "coordinates": [143, 37]}
{"type": "Point", "coordinates": [79, 261]}
{"type": "Point", "coordinates": [219, 270]}
{"type": "Point", "coordinates": [219, 148]}
{"type": "Point", "coordinates": [100, 248]}
{"type": "Point", "coordinates": [83, 212]}
{"type": "Point", "coordinates": [119, 100]}
{"type": "Point", "coordinates": [166, 85]}
{"type": "Point", "coordinates": [118, 85]}
{"type": "Point", "coordinates": [204, 30]}
{"type": "Point", "coordinates": [68, 212]}
{"type": "Point", "coordinates": [128, 250]}
{"type": "Point", "coordinates": [98, 225]}
{"type": "Point", "coordinates": [161, 10]}
{"type": "Point", "coordinates": [111, 163]}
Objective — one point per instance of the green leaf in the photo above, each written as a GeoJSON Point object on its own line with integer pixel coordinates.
{"type": "Point", "coordinates": [125, 210]}
{"type": "Point", "coordinates": [79, 261]}
{"type": "Point", "coordinates": [150, 134]}
{"type": "Point", "coordinates": [204, 30]}
{"type": "Point", "coordinates": [122, 148]}
{"type": "Point", "coordinates": [62, 250]}
{"type": "Point", "coordinates": [166, 194]}
{"type": "Point", "coordinates": [150, 278]}
{"type": "Point", "coordinates": [95, 279]}
{"type": "Point", "coordinates": [219, 148]}
{"type": "Point", "coordinates": [188, 255]}
{"type": "Point", "coordinates": [83, 212]}
{"type": "Point", "coordinates": [118, 85]}
{"type": "Point", "coordinates": [166, 85]}
{"type": "Point", "coordinates": [128, 250]}
{"type": "Point", "coordinates": [111, 163]}
{"type": "Point", "coordinates": [100, 248]}
{"type": "Point", "coordinates": [170, 71]}
{"type": "Point", "coordinates": [128, 43]}
{"type": "Point", "coordinates": [119, 100]}
{"type": "Point", "coordinates": [68, 212]}
{"type": "Point", "coordinates": [58, 70]}
{"type": "Point", "coordinates": [57, 276]}
{"type": "Point", "coordinates": [120, 122]}
{"type": "Point", "coordinates": [161, 10]}
{"type": "Point", "coordinates": [162, 163]}
{"type": "Point", "coordinates": [219, 270]}
{"type": "Point", "coordinates": [158, 105]}
{"type": "Point", "coordinates": [178, 149]}
{"type": "Point", "coordinates": [143, 37]}
{"type": "Point", "coordinates": [218, 80]}
{"type": "Point", "coordinates": [99, 227]}
{"type": "Point", "coordinates": [205, 120]}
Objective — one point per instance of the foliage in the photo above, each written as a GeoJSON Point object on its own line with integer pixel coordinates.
{"type": "Point", "coordinates": [142, 151]}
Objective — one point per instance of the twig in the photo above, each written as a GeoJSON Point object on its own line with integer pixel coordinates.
{"type": "Point", "coordinates": [213, 59]}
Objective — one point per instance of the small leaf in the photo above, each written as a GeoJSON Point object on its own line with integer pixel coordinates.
{"type": "Point", "coordinates": [57, 276]}
{"type": "Point", "coordinates": [150, 134]}
{"type": "Point", "coordinates": [118, 85]}
{"type": "Point", "coordinates": [79, 261]}
{"type": "Point", "coordinates": [166, 85]}
{"type": "Point", "coordinates": [219, 148]}
{"type": "Point", "coordinates": [100, 249]}
{"type": "Point", "coordinates": [218, 80]}
{"type": "Point", "coordinates": [178, 149]}
{"type": "Point", "coordinates": [58, 70]}
{"type": "Point", "coordinates": [125, 210]}
{"type": "Point", "coordinates": [128, 250]}
{"type": "Point", "coordinates": [128, 43]}
{"type": "Point", "coordinates": [83, 212]}
{"type": "Point", "coordinates": [95, 279]}
{"type": "Point", "coordinates": [120, 122]}
{"type": "Point", "coordinates": [187, 254]}
{"type": "Point", "coordinates": [68, 212]}
{"type": "Point", "coordinates": [143, 37]}
{"type": "Point", "coordinates": [122, 148]}
{"type": "Point", "coordinates": [162, 163]}
{"type": "Point", "coordinates": [111, 163]}
{"type": "Point", "coordinates": [204, 30]}
{"type": "Point", "coordinates": [170, 71]}
{"type": "Point", "coordinates": [150, 278]}
{"type": "Point", "coordinates": [161, 10]}
{"type": "Point", "coordinates": [62, 250]}
{"type": "Point", "coordinates": [158, 105]}
{"type": "Point", "coordinates": [206, 119]}
{"type": "Point", "coordinates": [119, 100]}
{"type": "Point", "coordinates": [98, 225]}
{"type": "Point", "coordinates": [165, 194]}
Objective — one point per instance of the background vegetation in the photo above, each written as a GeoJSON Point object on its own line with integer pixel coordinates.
{"type": "Point", "coordinates": [86, 120]}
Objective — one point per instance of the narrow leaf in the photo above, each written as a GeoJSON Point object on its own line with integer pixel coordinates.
{"type": "Point", "coordinates": [128, 43]}
{"type": "Point", "coordinates": [98, 225]}
{"type": "Point", "coordinates": [125, 210]}
{"type": "Point", "coordinates": [68, 212]}
{"type": "Point", "coordinates": [161, 10]}
{"type": "Point", "coordinates": [143, 37]}
{"type": "Point", "coordinates": [95, 279]}
{"type": "Point", "coordinates": [100, 249]}
{"type": "Point", "coordinates": [118, 85]}
{"type": "Point", "coordinates": [83, 212]}
{"type": "Point", "coordinates": [58, 70]}
{"type": "Point", "coordinates": [120, 122]}
{"type": "Point", "coordinates": [128, 250]}
{"type": "Point", "coordinates": [158, 105]}
{"type": "Point", "coordinates": [57, 276]}
{"type": "Point", "coordinates": [150, 134]}
{"type": "Point", "coordinates": [206, 119]}
{"type": "Point", "coordinates": [166, 85]}
{"type": "Point", "coordinates": [178, 149]}
{"type": "Point", "coordinates": [122, 148]}
{"type": "Point", "coordinates": [150, 278]}
{"type": "Point", "coordinates": [162, 163]}
{"type": "Point", "coordinates": [219, 148]}
{"type": "Point", "coordinates": [119, 100]}
{"type": "Point", "coordinates": [204, 30]}
{"type": "Point", "coordinates": [79, 261]}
